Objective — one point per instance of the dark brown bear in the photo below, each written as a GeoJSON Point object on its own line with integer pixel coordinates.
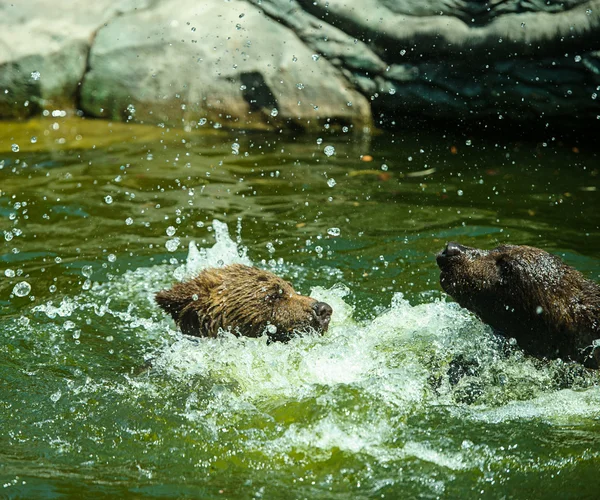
{"type": "Point", "coordinates": [245, 300]}
{"type": "Point", "coordinates": [523, 292]}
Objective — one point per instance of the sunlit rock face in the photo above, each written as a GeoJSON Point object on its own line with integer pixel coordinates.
{"type": "Point", "coordinates": [303, 65]}
{"type": "Point", "coordinates": [229, 64]}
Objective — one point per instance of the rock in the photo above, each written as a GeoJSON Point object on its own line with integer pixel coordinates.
{"type": "Point", "coordinates": [232, 66]}
{"type": "Point", "coordinates": [43, 52]}
{"type": "Point", "coordinates": [301, 64]}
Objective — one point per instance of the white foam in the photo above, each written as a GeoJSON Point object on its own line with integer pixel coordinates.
{"type": "Point", "coordinates": [224, 252]}
{"type": "Point", "coordinates": [384, 369]}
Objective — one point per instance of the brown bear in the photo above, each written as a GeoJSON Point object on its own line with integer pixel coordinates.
{"type": "Point", "coordinates": [245, 300]}
{"type": "Point", "coordinates": [523, 292]}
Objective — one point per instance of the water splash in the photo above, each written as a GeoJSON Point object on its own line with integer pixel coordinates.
{"type": "Point", "coordinates": [225, 251]}
{"type": "Point", "coordinates": [393, 388]}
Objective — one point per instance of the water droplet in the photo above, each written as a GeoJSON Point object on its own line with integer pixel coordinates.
{"type": "Point", "coordinates": [402, 52]}
{"type": "Point", "coordinates": [274, 112]}
{"type": "Point", "coordinates": [294, 58]}
{"type": "Point", "coordinates": [108, 199]}
{"type": "Point", "coordinates": [460, 192]}
{"type": "Point", "coordinates": [315, 57]}
{"type": "Point", "coordinates": [56, 396]}
{"type": "Point", "coordinates": [171, 231]}
{"type": "Point", "coordinates": [235, 149]}
{"type": "Point", "coordinates": [9, 273]}
{"type": "Point", "coordinates": [129, 221]}
{"type": "Point", "coordinates": [86, 271]}
{"type": "Point", "coordinates": [331, 182]}
{"type": "Point", "coordinates": [329, 150]}
{"type": "Point", "coordinates": [392, 91]}
{"type": "Point", "coordinates": [22, 289]}
{"type": "Point", "coordinates": [271, 329]}
{"type": "Point", "coordinates": [299, 86]}
{"type": "Point", "coordinates": [33, 139]}
{"type": "Point", "coordinates": [539, 310]}
{"type": "Point", "coordinates": [468, 142]}
{"type": "Point", "coordinates": [577, 58]}
{"type": "Point", "coordinates": [112, 257]}
{"type": "Point", "coordinates": [384, 167]}
{"type": "Point", "coordinates": [319, 141]}
{"type": "Point", "coordinates": [15, 148]}
{"type": "Point", "coordinates": [334, 231]}
{"type": "Point", "coordinates": [35, 75]}
{"type": "Point", "coordinates": [588, 12]}
{"type": "Point", "coordinates": [172, 245]}
{"type": "Point", "coordinates": [202, 121]}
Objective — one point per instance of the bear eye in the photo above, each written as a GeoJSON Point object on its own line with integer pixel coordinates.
{"type": "Point", "coordinates": [275, 295]}
{"type": "Point", "coordinates": [503, 264]}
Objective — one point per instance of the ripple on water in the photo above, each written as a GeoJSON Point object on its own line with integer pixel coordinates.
{"type": "Point", "coordinates": [378, 388]}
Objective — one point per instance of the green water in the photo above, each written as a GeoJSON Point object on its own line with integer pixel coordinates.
{"type": "Point", "coordinates": [96, 217]}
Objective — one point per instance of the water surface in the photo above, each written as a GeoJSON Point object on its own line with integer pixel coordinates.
{"type": "Point", "coordinates": [96, 217]}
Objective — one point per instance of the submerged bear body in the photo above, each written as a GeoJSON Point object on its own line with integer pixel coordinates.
{"type": "Point", "coordinates": [523, 292]}
{"type": "Point", "coordinates": [245, 300]}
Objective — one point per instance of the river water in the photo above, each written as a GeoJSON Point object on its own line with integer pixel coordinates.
{"type": "Point", "coordinates": [407, 395]}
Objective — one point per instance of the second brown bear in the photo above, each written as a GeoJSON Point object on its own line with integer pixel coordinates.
{"type": "Point", "coordinates": [551, 309]}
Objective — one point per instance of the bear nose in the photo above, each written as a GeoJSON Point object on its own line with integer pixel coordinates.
{"type": "Point", "coordinates": [322, 313]}
{"type": "Point", "coordinates": [450, 250]}
{"type": "Point", "coordinates": [453, 249]}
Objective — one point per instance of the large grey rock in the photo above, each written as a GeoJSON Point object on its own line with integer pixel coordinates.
{"type": "Point", "coordinates": [301, 64]}
{"type": "Point", "coordinates": [532, 61]}
{"type": "Point", "coordinates": [43, 51]}
{"type": "Point", "coordinates": [227, 63]}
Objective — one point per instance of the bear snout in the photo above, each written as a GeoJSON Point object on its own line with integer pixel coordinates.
{"type": "Point", "coordinates": [322, 313]}
{"type": "Point", "coordinates": [451, 249]}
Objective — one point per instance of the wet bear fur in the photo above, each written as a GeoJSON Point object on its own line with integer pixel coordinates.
{"type": "Point", "coordinates": [245, 300]}
{"type": "Point", "coordinates": [523, 292]}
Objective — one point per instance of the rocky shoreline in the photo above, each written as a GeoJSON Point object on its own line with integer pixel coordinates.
{"type": "Point", "coordinates": [303, 64]}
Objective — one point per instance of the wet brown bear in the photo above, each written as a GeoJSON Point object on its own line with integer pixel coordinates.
{"type": "Point", "coordinates": [551, 309]}
{"type": "Point", "coordinates": [245, 300]}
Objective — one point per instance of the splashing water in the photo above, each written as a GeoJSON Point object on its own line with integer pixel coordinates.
{"type": "Point", "coordinates": [224, 252]}
{"type": "Point", "coordinates": [363, 401]}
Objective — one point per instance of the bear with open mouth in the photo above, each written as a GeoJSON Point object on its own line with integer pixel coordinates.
{"type": "Point", "coordinates": [245, 300]}
{"type": "Point", "coordinates": [523, 292]}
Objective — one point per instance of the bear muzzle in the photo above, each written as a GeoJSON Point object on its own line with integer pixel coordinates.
{"type": "Point", "coordinates": [451, 249]}
{"type": "Point", "coordinates": [322, 315]}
